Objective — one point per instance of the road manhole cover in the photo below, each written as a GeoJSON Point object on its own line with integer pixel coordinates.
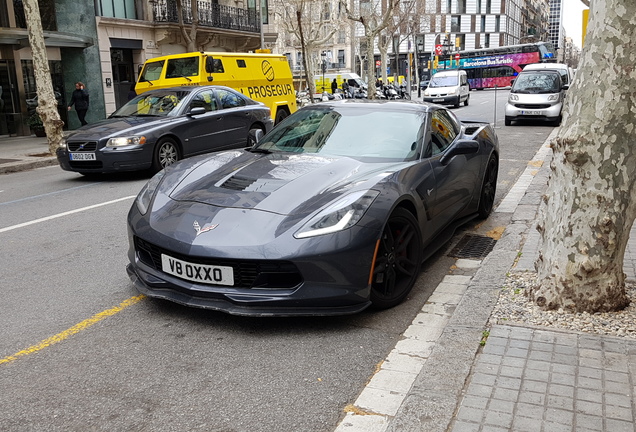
{"type": "Point", "coordinates": [473, 246]}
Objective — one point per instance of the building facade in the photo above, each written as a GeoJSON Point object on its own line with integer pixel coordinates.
{"type": "Point", "coordinates": [103, 44]}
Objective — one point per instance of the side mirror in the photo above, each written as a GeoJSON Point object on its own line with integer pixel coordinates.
{"type": "Point", "coordinates": [459, 148]}
{"type": "Point", "coordinates": [209, 64]}
{"type": "Point", "coordinates": [565, 86]}
{"type": "Point", "coordinates": [255, 135]}
{"type": "Point", "coordinates": [196, 111]}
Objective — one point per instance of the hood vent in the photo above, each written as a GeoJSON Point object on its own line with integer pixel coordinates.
{"type": "Point", "coordinates": [238, 183]}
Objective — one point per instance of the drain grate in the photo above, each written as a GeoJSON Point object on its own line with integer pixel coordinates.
{"type": "Point", "coordinates": [473, 246]}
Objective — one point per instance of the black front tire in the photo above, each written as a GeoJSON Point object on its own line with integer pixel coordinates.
{"type": "Point", "coordinates": [398, 261]}
{"type": "Point", "coordinates": [281, 114]}
{"type": "Point", "coordinates": [507, 121]}
{"type": "Point", "coordinates": [166, 153]}
{"type": "Point", "coordinates": [466, 101]}
{"type": "Point", "coordinates": [488, 188]}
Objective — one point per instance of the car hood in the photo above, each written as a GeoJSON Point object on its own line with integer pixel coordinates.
{"type": "Point", "coordinates": [282, 183]}
{"type": "Point", "coordinates": [117, 126]}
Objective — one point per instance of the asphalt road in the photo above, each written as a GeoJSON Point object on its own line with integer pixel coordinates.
{"type": "Point", "coordinates": [79, 351]}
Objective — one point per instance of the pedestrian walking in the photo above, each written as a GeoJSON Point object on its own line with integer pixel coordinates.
{"type": "Point", "coordinates": [79, 98]}
{"type": "Point", "coordinates": [334, 86]}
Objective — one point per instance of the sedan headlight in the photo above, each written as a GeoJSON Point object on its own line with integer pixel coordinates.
{"type": "Point", "coordinates": [63, 144]}
{"type": "Point", "coordinates": [126, 141]}
{"type": "Point", "coordinates": [148, 192]}
{"type": "Point", "coordinates": [340, 215]}
{"type": "Point", "coordinates": [513, 97]}
{"type": "Point", "coordinates": [553, 97]}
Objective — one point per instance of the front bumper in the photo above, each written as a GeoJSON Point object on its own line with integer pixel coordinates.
{"type": "Point", "coordinates": [108, 160]}
{"type": "Point", "coordinates": [533, 112]}
{"type": "Point", "coordinates": [442, 100]}
{"type": "Point", "coordinates": [321, 276]}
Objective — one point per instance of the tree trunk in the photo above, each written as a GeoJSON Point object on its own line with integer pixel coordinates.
{"type": "Point", "coordinates": [47, 104]}
{"type": "Point", "coordinates": [371, 89]}
{"type": "Point", "coordinates": [590, 204]}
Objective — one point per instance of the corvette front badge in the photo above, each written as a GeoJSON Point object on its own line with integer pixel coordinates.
{"type": "Point", "coordinates": [205, 229]}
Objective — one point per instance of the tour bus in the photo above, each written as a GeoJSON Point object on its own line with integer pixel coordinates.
{"type": "Point", "coordinates": [496, 67]}
{"type": "Point", "coordinates": [263, 77]}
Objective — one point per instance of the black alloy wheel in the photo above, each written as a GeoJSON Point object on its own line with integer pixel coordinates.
{"type": "Point", "coordinates": [488, 188]}
{"type": "Point", "coordinates": [166, 153]}
{"type": "Point", "coordinates": [398, 262]}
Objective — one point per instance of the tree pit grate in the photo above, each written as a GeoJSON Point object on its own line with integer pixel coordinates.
{"type": "Point", "coordinates": [473, 246]}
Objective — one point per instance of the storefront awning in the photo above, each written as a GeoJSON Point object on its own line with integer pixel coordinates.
{"type": "Point", "coordinates": [20, 37]}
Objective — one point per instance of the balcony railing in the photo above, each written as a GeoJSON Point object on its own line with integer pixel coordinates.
{"type": "Point", "coordinates": [210, 15]}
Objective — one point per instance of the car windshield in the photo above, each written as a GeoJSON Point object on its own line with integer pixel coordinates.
{"type": "Point", "coordinates": [349, 131]}
{"type": "Point", "coordinates": [536, 83]}
{"type": "Point", "coordinates": [160, 104]}
{"type": "Point", "coordinates": [443, 81]}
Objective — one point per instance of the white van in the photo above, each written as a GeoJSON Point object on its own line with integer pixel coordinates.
{"type": "Point", "coordinates": [566, 72]}
{"type": "Point", "coordinates": [448, 87]}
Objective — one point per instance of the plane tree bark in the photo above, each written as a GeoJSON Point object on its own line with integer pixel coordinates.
{"type": "Point", "coordinates": [47, 104]}
{"type": "Point", "coordinates": [590, 204]}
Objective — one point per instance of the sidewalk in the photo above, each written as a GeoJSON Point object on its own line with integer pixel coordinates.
{"type": "Point", "coordinates": [524, 379]}
{"type": "Point", "coordinates": [24, 153]}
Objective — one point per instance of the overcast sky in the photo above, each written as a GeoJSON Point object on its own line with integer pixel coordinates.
{"type": "Point", "coordinates": [572, 19]}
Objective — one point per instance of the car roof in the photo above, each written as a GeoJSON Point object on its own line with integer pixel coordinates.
{"type": "Point", "coordinates": [379, 105]}
{"type": "Point", "coordinates": [187, 89]}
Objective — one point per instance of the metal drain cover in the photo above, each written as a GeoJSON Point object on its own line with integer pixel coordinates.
{"type": "Point", "coordinates": [473, 246]}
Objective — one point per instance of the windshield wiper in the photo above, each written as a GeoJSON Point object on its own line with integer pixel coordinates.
{"type": "Point", "coordinates": [146, 115]}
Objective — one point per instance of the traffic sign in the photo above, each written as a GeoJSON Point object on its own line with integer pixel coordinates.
{"type": "Point", "coordinates": [439, 49]}
{"type": "Point", "coordinates": [378, 63]}
{"type": "Point", "coordinates": [457, 56]}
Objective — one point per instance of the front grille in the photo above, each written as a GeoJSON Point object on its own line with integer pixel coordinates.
{"type": "Point", "coordinates": [533, 106]}
{"type": "Point", "coordinates": [88, 146]}
{"type": "Point", "coordinates": [262, 274]}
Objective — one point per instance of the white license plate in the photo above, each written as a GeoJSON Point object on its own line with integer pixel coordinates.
{"type": "Point", "coordinates": [438, 100]}
{"type": "Point", "coordinates": [531, 113]}
{"type": "Point", "coordinates": [208, 274]}
{"type": "Point", "coordinates": [82, 156]}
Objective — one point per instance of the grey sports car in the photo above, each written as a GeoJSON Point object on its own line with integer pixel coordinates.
{"type": "Point", "coordinates": [331, 212]}
{"type": "Point", "coordinates": [160, 127]}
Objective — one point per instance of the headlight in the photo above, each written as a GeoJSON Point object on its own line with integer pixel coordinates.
{"type": "Point", "coordinates": [513, 97]}
{"type": "Point", "coordinates": [340, 215]}
{"type": "Point", "coordinates": [553, 97]}
{"type": "Point", "coordinates": [148, 192]}
{"type": "Point", "coordinates": [126, 141]}
{"type": "Point", "coordinates": [63, 144]}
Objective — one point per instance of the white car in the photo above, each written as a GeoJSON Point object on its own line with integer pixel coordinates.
{"type": "Point", "coordinates": [536, 95]}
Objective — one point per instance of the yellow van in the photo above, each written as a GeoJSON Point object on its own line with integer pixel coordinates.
{"type": "Point", "coordinates": [263, 77]}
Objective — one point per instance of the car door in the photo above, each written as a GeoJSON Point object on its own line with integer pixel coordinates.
{"type": "Point", "coordinates": [199, 132]}
{"type": "Point", "coordinates": [236, 117]}
{"type": "Point", "coordinates": [455, 178]}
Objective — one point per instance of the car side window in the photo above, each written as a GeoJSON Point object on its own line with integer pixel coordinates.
{"type": "Point", "coordinates": [204, 99]}
{"type": "Point", "coordinates": [229, 99]}
{"type": "Point", "coordinates": [444, 130]}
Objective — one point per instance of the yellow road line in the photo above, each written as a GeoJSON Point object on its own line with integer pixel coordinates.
{"type": "Point", "coordinates": [73, 330]}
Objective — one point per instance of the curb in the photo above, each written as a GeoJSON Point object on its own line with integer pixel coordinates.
{"type": "Point", "coordinates": [25, 165]}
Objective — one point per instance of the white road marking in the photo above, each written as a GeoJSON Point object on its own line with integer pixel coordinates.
{"type": "Point", "coordinates": [59, 215]}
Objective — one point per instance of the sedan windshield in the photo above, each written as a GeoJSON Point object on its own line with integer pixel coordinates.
{"type": "Point", "coordinates": [351, 131]}
{"type": "Point", "coordinates": [152, 104]}
{"type": "Point", "coordinates": [536, 83]}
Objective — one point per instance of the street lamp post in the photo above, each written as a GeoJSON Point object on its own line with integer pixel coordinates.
{"type": "Point", "coordinates": [324, 66]}
{"type": "Point", "coordinates": [419, 47]}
